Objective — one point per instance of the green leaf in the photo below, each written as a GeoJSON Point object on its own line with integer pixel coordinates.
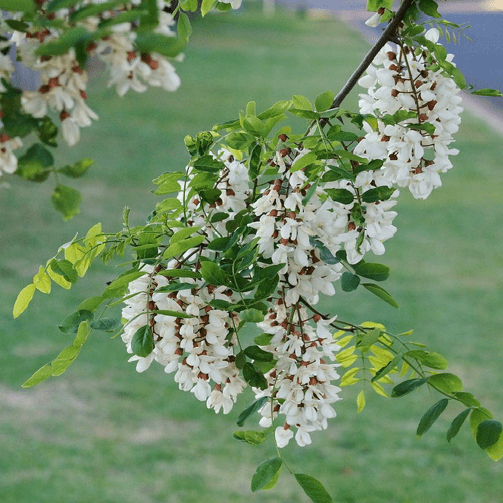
{"type": "Point", "coordinates": [406, 387]}
{"type": "Point", "coordinates": [381, 293]}
{"type": "Point", "coordinates": [161, 44]}
{"type": "Point", "coordinates": [336, 134]}
{"type": "Point", "coordinates": [376, 272]}
{"type": "Point", "coordinates": [184, 27]}
{"type": "Point", "coordinates": [324, 101]}
{"type": "Point", "coordinates": [142, 343]}
{"type": "Point", "coordinates": [34, 164]}
{"type": "Point", "coordinates": [239, 141]}
{"type": "Point", "coordinates": [175, 287]}
{"type": "Point", "coordinates": [250, 437]}
{"type": "Point", "coordinates": [206, 6]}
{"type": "Point", "coordinates": [466, 398]}
{"type": "Point", "coordinates": [448, 383]}
{"type": "Point", "coordinates": [67, 201]}
{"type": "Point", "coordinates": [429, 7]}
{"type": "Point", "coordinates": [252, 315]}
{"type": "Point", "coordinates": [23, 299]}
{"type": "Point", "coordinates": [342, 196]}
{"type": "Point", "coordinates": [42, 281]}
{"type": "Point", "coordinates": [457, 423]}
{"type": "Point", "coordinates": [62, 268]}
{"type": "Point", "coordinates": [254, 407]}
{"type": "Point", "coordinates": [375, 5]}
{"type": "Point", "coordinates": [383, 371]}
{"type": "Point", "coordinates": [264, 473]}
{"type": "Point", "coordinates": [301, 102]}
{"type": "Point", "coordinates": [256, 353]}
{"type": "Point", "coordinates": [349, 282]}
{"type": "Point", "coordinates": [71, 323]}
{"type": "Point", "coordinates": [213, 274]}
{"type": "Point", "coordinates": [209, 164]}
{"type": "Point", "coordinates": [253, 376]}
{"type": "Point", "coordinates": [175, 314]}
{"type": "Point", "coordinates": [488, 433]}
{"type": "Point", "coordinates": [487, 92]}
{"type": "Point", "coordinates": [180, 273]}
{"type": "Point", "coordinates": [90, 304]}
{"type": "Point", "coordinates": [313, 488]}
{"type": "Point", "coordinates": [183, 234]}
{"type": "Point", "coordinates": [182, 246]}
{"type": "Point", "coordinates": [18, 5]}
{"type": "Point", "coordinates": [189, 5]}
{"type": "Point", "coordinates": [119, 285]}
{"type": "Point", "coordinates": [428, 358]}
{"type": "Point", "coordinates": [263, 339]}
{"type": "Point", "coordinates": [382, 193]}
{"type": "Point", "coordinates": [106, 324]}
{"type": "Point", "coordinates": [325, 253]}
{"type": "Point", "coordinates": [477, 416]}
{"type": "Point", "coordinates": [431, 415]}
{"type": "Point", "coordinates": [302, 162]}
{"type": "Point", "coordinates": [76, 170]}
{"type": "Point", "coordinates": [55, 5]}
{"type": "Point", "coordinates": [370, 338]}
{"type": "Point", "coordinates": [39, 376]}
{"type": "Point", "coordinates": [266, 288]}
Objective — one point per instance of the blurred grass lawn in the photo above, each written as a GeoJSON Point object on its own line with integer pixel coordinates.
{"type": "Point", "coordinates": [104, 433]}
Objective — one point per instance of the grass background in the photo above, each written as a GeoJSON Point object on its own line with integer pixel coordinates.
{"type": "Point", "coordinates": [104, 433]}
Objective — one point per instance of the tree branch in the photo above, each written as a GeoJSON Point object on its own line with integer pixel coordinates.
{"type": "Point", "coordinates": [387, 35]}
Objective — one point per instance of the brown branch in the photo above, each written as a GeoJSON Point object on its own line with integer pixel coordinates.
{"type": "Point", "coordinates": [387, 35]}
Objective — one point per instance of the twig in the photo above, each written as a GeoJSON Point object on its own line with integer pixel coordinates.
{"type": "Point", "coordinates": [386, 36]}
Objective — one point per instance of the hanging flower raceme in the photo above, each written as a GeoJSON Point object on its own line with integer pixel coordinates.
{"type": "Point", "coordinates": [410, 87]}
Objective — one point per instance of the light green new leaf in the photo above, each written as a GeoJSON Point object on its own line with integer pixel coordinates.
{"type": "Point", "coordinates": [42, 281]}
{"type": "Point", "coordinates": [313, 488]}
{"type": "Point", "coordinates": [23, 299]}
{"type": "Point", "coordinates": [250, 437]}
{"type": "Point", "coordinates": [302, 103]}
{"type": "Point", "coordinates": [182, 246]}
{"type": "Point", "coordinates": [265, 472]}
{"type": "Point", "coordinates": [324, 101]}
{"type": "Point", "coordinates": [375, 5]}
{"type": "Point", "coordinates": [487, 92]}
{"type": "Point", "coordinates": [58, 278]}
{"type": "Point", "coordinates": [206, 6]}
{"type": "Point", "coordinates": [360, 401]}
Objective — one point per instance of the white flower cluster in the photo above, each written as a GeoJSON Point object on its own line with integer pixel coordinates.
{"type": "Point", "coordinates": [408, 81]}
{"type": "Point", "coordinates": [64, 82]}
{"type": "Point", "coordinates": [198, 349]}
{"type": "Point", "coordinates": [300, 383]}
{"type": "Point", "coordinates": [8, 161]}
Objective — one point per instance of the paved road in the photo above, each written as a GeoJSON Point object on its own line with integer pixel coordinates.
{"type": "Point", "coordinates": [481, 60]}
